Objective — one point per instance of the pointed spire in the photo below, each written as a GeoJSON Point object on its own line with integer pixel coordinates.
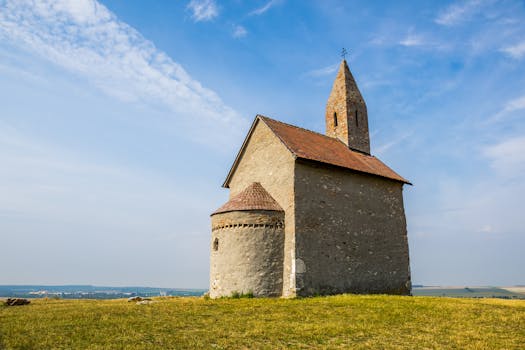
{"type": "Point", "coordinates": [346, 114]}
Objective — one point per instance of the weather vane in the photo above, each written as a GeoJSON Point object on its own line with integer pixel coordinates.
{"type": "Point", "coordinates": [343, 53]}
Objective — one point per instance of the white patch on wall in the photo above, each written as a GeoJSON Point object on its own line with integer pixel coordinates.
{"type": "Point", "coordinates": [300, 266]}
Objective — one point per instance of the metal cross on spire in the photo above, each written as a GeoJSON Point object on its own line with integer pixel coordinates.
{"type": "Point", "coordinates": [344, 53]}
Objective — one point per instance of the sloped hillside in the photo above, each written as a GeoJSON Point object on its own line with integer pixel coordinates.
{"type": "Point", "coordinates": [337, 322]}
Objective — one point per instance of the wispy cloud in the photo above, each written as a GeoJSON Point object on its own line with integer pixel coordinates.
{"type": "Point", "coordinates": [378, 40]}
{"type": "Point", "coordinates": [424, 41]}
{"type": "Point", "coordinates": [412, 40]}
{"type": "Point", "coordinates": [487, 229]}
{"type": "Point", "coordinates": [203, 10]}
{"type": "Point", "coordinates": [508, 157]}
{"type": "Point", "coordinates": [85, 38]}
{"type": "Point", "coordinates": [515, 51]}
{"type": "Point", "coordinates": [513, 105]}
{"type": "Point", "coordinates": [322, 72]}
{"type": "Point", "coordinates": [239, 31]}
{"type": "Point", "coordinates": [261, 10]}
{"type": "Point", "coordinates": [382, 149]}
{"type": "Point", "coordinates": [457, 13]}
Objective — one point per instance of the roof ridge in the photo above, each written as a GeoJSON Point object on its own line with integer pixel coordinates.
{"type": "Point", "coordinates": [298, 127]}
{"type": "Point", "coordinates": [316, 133]}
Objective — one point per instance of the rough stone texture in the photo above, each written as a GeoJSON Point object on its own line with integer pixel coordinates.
{"type": "Point", "coordinates": [266, 160]}
{"type": "Point", "coordinates": [347, 106]}
{"type": "Point", "coordinates": [344, 221]}
{"type": "Point", "coordinates": [247, 252]}
{"type": "Point", "coordinates": [350, 232]}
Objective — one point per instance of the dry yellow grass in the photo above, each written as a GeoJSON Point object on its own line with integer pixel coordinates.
{"type": "Point", "coordinates": [337, 322]}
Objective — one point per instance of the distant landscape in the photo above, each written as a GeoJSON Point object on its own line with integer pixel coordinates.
{"type": "Point", "coordinates": [105, 292]}
{"type": "Point", "coordinates": [91, 292]}
{"type": "Point", "coordinates": [513, 292]}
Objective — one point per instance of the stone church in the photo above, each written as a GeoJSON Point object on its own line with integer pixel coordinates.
{"type": "Point", "coordinates": [309, 213]}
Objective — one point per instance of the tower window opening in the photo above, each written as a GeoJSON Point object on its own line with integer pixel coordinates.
{"type": "Point", "coordinates": [335, 119]}
{"type": "Point", "coordinates": [356, 119]}
{"type": "Point", "coordinates": [216, 244]}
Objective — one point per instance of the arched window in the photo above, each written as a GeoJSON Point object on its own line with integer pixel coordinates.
{"type": "Point", "coordinates": [335, 119]}
{"type": "Point", "coordinates": [216, 244]}
{"type": "Point", "coordinates": [356, 119]}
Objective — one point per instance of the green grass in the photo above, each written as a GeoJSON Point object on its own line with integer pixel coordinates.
{"type": "Point", "coordinates": [337, 322]}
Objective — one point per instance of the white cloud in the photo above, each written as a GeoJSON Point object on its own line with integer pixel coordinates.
{"type": "Point", "coordinates": [382, 149]}
{"type": "Point", "coordinates": [487, 229]}
{"type": "Point", "coordinates": [322, 72]}
{"type": "Point", "coordinates": [412, 40]}
{"type": "Point", "coordinates": [239, 31]}
{"type": "Point", "coordinates": [516, 104]}
{"type": "Point", "coordinates": [85, 38]}
{"type": "Point", "coordinates": [261, 10]}
{"type": "Point", "coordinates": [457, 13]}
{"type": "Point", "coordinates": [203, 10]}
{"type": "Point", "coordinates": [422, 40]}
{"type": "Point", "coordinates": [515, 51]}
{"type": "Point", "coordinates": [508, 157]}
{"type": "Point", "coordinates": [378, 40]}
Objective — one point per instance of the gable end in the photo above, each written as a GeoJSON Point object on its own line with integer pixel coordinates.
{"type": "Point", "coordinates": [238, 158]}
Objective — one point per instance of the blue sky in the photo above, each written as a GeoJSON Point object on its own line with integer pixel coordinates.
{"type": "Point", "coordinates": [119, 121]}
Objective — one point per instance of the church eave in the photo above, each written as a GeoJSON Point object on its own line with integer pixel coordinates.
{"type": "Point", "coordinates": [309, 160]}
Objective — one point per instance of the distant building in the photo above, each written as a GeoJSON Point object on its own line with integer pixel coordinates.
{"type": "Point", "coordinates": [310, 213]}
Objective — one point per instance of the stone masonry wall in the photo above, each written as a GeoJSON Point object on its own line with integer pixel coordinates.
{"type": "Point", "coordinates": [350, 233]}
{"type": "Point", "coordinates": [347, 103]}
{"type": "Point", "coordinates": [247, 251]}
{"type": "Point", "coordinates": [266, 160]}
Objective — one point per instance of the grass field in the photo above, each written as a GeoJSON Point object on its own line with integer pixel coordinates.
{"type": "Point", "coordinates": [337, 322]}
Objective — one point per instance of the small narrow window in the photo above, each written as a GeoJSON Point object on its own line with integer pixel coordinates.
{"type": "Point", "coordinates": [216, 244]}
{"type": "Point", "coordinates": [335, 119]}
{"type": "Point", "coordinates": [356, 119]}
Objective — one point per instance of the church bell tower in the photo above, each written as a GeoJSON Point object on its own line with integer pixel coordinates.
{"type": "Point", "coordinates": [346, 115]}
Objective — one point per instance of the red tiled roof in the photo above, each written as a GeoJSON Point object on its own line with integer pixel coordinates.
{"type": "Point", "coordinates": [310, 145]}
{"type": "Point", "coordinates": [253, 197]}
